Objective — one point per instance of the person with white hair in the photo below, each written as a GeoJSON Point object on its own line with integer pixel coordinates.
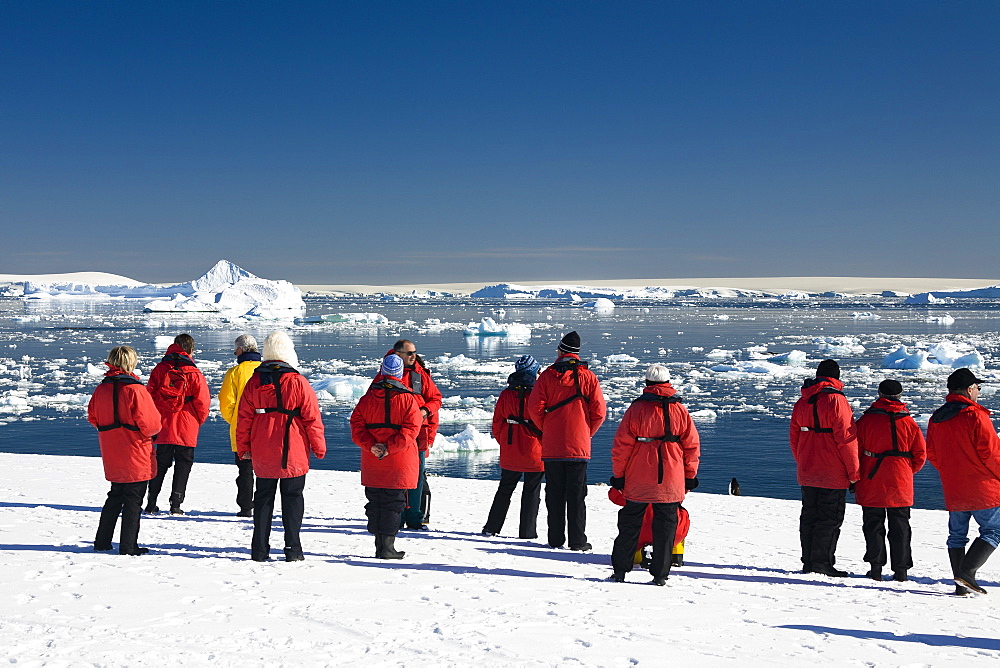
{"type": "Point", "coordinates": [247, 360]}
{"type": "Point", "coordinates": [654, 461]}
{"type": "Point", "coordinates": [278, 424]}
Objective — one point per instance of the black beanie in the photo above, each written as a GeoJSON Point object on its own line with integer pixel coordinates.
{"type": "Point", "coordinates": [890, 387]}
{"type": "Point", "coordinates": [828, 369]}
{"type": "Point", "coordinates": [570, 343]}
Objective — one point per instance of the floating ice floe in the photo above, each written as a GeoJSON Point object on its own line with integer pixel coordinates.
{"type": "Point", "coordinates": [621, 359]}
{"type": "Point", "coordinates": [490, 327]}
{"type": "Point", "coordinates": [756, 367]}
{"type": "Point", "coordinates": [943, 354]}
{"type": "Point", "coordinates": [791, 358]}
{"type": "Point", "coordinates": [867, 315]}
{"type": "Point", "coordinates": [348, 318]}
{"type": "Point", "coordinates": [601, 305]}
{"type": "Point", "coordinates": [467, 440]}
{"type": "Point", "coordinates": [465, 414]}
{"type": "Point", "coordinates": [462, 364]}
{"type": "Point", "coordinates": [839, 345]}
{"type": "Point", "coordinates": [941, 319]}
{"type": "Point", "coordinates": [719, 354]}
{"type": "Point", "coordinates": [704, 415]}
{"type": "Point", "coordinates": [337, 387]}
{"type": "Point", "coordinates": [232, 290]}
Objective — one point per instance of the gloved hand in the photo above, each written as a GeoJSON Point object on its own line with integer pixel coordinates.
{"type": "Point", "coordinates": [690, 484]}
{"type": "Point", "coordinates": [617, 483]}
{"type": "Point", "coordinates": [850, 488]}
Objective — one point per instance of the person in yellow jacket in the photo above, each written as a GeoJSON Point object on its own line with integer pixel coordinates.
{"type": "Point", "coordinates": [248, 359]}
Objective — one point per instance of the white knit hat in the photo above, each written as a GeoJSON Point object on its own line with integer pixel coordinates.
{"type": "Point", "coordinates": [658, 373]}
{"type": "Point", "coordinates": [277, 346]}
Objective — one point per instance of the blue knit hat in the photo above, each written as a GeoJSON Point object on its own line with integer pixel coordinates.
{"type": "Point", "coordinates": [527, 363]}
{"type": "Point", "coordinates": [392, 365]}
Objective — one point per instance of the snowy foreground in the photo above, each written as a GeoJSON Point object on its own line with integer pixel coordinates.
{"type": "Point", "coordinates": [458, 598]}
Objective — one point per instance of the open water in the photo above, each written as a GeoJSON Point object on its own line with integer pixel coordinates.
{"type": "Point", "coordinates": [45, 349]}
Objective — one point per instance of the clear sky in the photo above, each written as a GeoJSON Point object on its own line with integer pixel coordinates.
{"type": "Point", "coordinates": [408, 142]}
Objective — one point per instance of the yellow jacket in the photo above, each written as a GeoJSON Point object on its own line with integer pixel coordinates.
{"type": "Point", "coordinates": [229, 396]}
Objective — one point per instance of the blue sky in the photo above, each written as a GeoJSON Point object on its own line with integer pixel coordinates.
{"type": "Point", "coordinates": [409, 142]}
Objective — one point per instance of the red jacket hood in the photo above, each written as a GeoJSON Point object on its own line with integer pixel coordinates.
{"type": "Point", "coordinates": [662, 389]}
{"type": "Point", "coordinates": [818, 384]}
{"type": "Point", "coordinates": [889, 405]}
{"type": "Point", "coordinates": [175, 348]}
{"type": "Point", "coordinates": [966, 400]}
{"type": "Point", "coordinates": [115, 371]}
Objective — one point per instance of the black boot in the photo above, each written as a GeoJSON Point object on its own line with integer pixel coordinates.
{"type": "Point", "coordinates": [956, 555]}
{"type": "Point", "coordinates": [385, 547]}
{"type": "Point", "coordinates": [875, 573]}
{"type": "Point", "coordinates": [974, 559]}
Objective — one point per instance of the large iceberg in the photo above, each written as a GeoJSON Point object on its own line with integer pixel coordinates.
{"type": "Point", "coordinates": [230, 289]}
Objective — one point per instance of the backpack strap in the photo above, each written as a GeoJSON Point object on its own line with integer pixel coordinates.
{"type": "Point", "coordinates": [389, 386]}
{"type": "Point", "coordinates": [270, 374]}
{"type": "Point", "coordinates": [668, 435]}
{"type": "Point", "coordinates": [812, 400]}
{"type": "Point", "coordinates": [526, 422]}
{"type": "Point", "coordinates": [895, 451]}
{"type": "Point", "coordinates": [117, 382]}
{"type": "Point", "coordinates": [177, 361]}
{"type": "Point", "coordinates": [574, 365]}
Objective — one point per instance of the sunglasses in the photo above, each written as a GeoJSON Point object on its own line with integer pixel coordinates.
{"type": "Point", "coordinates": [407, 352]}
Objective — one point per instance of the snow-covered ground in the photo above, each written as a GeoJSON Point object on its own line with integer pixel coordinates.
{"type": "Point", "coordinates": [458, 598]}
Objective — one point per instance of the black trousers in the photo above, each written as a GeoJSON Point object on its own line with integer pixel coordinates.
{"type": "Point", "coordinates": [244, 483]}
{"type": "Point", "coordinates": [530, 499]}
{"type": "Point", "coordinates": [293, 507]}
{"type": "Point", "coordinates": [383, 510]}
{"type": "Point", "coordinates": [167, 454]}
{"type": "Point", "coordinates": [819, 524]}
{"type": "Point", "coordinates": [125, 498]}
{"type": "Point", "coordinates": [565, 500]}
{"type": "Point", "coordinates": [630, 525]}
{"type": "Point", "coordinates": [873, 521]}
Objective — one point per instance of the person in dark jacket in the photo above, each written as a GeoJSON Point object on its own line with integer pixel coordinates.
{"type": "Point", "coordinates": [963, 446]}
{"type": "Point", "coordinates": [181, 395]}
{"type": "Point", "coordinates": [891, 449]}
{"type": "Point", "coordinates": [278, 425]}
{"type": "Point", "coordinates": [126, 420]}
{"type": "Point", "coordinates": [825, 447]}
{"type": "Point", "coordinates": [385, 425]}
{"type": "Point", "coordinates": [568, 406]}
{"type": "Point", "coordinates": [654, 461]}
{"type": "Point", "coordinates": [416, 513]}
{"type": "Point", "coordinates": [520, 452]}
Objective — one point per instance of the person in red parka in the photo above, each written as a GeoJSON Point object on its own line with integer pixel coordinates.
{"type": "Point", "coordinates": [825, 447]}
{"type": "Point", "coordinates": [568, 406]}
{"type": "Point", "coordinates": [126, 420]}
{"type": "Point", "coordinates": [181, 395]}
{"type": "Point", "coordinates": [416, 377]}
{"type": "Point", "coordinates": [278, 424]}
{"type": "Point", "coordinates": [963, 446]}
{"type": "Point", "coordinates": [520, 452]}
{"type": "Point", "coordinates": [385, 425]}
{"type": "Point", "coordinates": [654, 461]}
{"type": "Point", "coordinates": [891, 450]}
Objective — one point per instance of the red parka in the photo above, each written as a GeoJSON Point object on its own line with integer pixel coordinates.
{"type": "Point", "coordinates": [520, 449]}
{"type": "Point", "coordinates": [181, 427]}
{"type": "Point", "coordinates": [567, 430]}
{"type": "Point", "coordinates": [646, 532]}
{"type": "Point", "coordinates": [826, 459]}
{"type": "Point", "coordinates": [263, 433]}
{"type": "Point", "coordinates": [654, 470]}
{"type": "Point", "coordinates": [400, 468]}
{"type": "Point", "coordinates": [963, 446]}
{"type": "Point", "coordinates": [428, 397]}
{"type": "Point", "coordinates": [128, 454]}
{"type": "Point", "coordinates": [891, 486]}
